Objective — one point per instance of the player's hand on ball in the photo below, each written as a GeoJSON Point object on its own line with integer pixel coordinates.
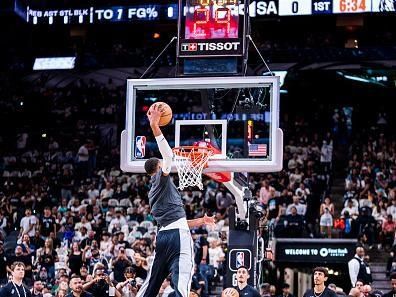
{"type": "Point", "coordinates": [154, 115]}
{"type": "Point", "coordinates": [209, 221]}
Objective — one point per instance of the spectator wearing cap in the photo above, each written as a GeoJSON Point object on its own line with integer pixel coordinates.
{"type": "Point", "coordinates": [76, 286]}
{"type": "Point", "coordinates": [101, 284]}
{"type": "Point", "coordinates": [286, 291]}
{"type": "Point", "coordinates": [320, 277]}
{"type": "Point", "coordinates": [93, 257]}
{"type": "Point", "coordinates": [15, 288]}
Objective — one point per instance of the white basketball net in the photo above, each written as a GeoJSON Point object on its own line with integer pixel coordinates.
{"type": "Point", "coordinates": [190, 161]}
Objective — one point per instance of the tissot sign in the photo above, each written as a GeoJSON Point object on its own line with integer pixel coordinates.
{"type": "Point", "coordinates": [212, 47]}
{"type": "Point", "coordinates": [314, 250]}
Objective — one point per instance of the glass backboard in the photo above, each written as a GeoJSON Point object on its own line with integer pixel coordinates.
{"type": "Point", "coordinates": [239, 116]}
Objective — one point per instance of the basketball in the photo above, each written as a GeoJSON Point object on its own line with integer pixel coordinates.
{"type": "Point", "coordinates": [230, 292]}
{"type": "Point", "coordinates": [166, 113]}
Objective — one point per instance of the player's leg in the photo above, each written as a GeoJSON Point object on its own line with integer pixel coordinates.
{"type": "Point", "coordinates": [158, 270]}
{"type": "Point", "coordinates": [182, 264]}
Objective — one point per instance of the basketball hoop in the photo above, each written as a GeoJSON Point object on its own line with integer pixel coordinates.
{"type": "Point", "coordinates": [190, 161]}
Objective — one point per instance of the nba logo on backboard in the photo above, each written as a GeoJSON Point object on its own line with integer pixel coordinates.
{"type": "Point", "coordinates": [240, 259]}
{"type": "Point", "coordinates": [140, 147]}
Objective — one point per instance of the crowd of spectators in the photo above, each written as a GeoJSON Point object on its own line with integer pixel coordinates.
{"type": "Point", "coordinates": [66, 208]}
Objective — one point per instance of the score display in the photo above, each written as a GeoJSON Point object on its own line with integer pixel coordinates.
{"type": "Point", "coordinates": [313, 7]}
{"type": "Point", "coordinates": [210, 19]}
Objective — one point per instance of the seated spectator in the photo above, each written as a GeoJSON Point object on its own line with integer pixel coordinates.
{"type": "Point", "coordinates": [388, 231]}
{"type": "Point", "coordinates": [379, 211]}
{"type": "Point", "coordinates": [295, 223]}
{"type": "Point", "coordinates": [353, 211]}
{"type": "Point", "coordinates": [391, 210]}
{"type": "Point", "coordinates": [301, 208]}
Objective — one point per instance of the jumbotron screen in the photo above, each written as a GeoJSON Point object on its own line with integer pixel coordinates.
{"type": "Point", "coordinates": [208, 19]}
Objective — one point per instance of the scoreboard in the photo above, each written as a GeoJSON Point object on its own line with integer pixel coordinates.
{"type": "Point", "coordinates": [312, 7]}
{"type": "Point", "coordinates": [205, 19]}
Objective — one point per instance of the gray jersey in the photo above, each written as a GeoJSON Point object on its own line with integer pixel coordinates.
{"type": "Point", "coordinates": [165, 200]}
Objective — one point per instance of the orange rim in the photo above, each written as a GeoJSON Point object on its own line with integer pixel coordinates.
{"type": "Point", "coordinates": [195, 153]}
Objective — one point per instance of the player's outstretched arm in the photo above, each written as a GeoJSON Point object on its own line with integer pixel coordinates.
{"type": "Point", "coordinates": [205, 220]}
{"type": "Point", "coordinates": [154, 115]}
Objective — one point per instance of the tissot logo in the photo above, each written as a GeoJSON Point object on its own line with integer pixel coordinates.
{"type": "Point", "coordinates": [211, 46]}
{"type": "Point", "coordinates": [189, 47]}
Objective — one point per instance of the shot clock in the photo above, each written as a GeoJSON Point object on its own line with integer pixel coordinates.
{"type": "Point", "coordinates": [212, 37]}
{"type": "Point", "coordinates": [210, 19]}
{"type": "Point", "coordinates": [210, 28]}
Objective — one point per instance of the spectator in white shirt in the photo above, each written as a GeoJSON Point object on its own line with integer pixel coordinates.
{"type": "Point", "coordinates": [28, 224]}
{"type": "Point", "coordinates": [107, 192]}
{"type": "Point", "coordinates": [391, 210]}
{"type": "Point", "coordinates": [118, 221]}
{"type": "Point", "coordinates": [216, 254]}
{"type": "Point", "coordinates": [301, 208]}
{"type": "Point", "coordinates": [83, 223]}
{"type": "Point", "coordinates": [352, 210]}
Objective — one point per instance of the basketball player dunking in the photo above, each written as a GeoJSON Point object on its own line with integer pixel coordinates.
{"type": "Point", "coordinates": [174, 246]}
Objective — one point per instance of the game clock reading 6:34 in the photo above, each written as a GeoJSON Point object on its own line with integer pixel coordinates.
{"type": "Point", "coordinates": [211, 19]}
{"type": "Point", "coordinates": [351, 6]}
